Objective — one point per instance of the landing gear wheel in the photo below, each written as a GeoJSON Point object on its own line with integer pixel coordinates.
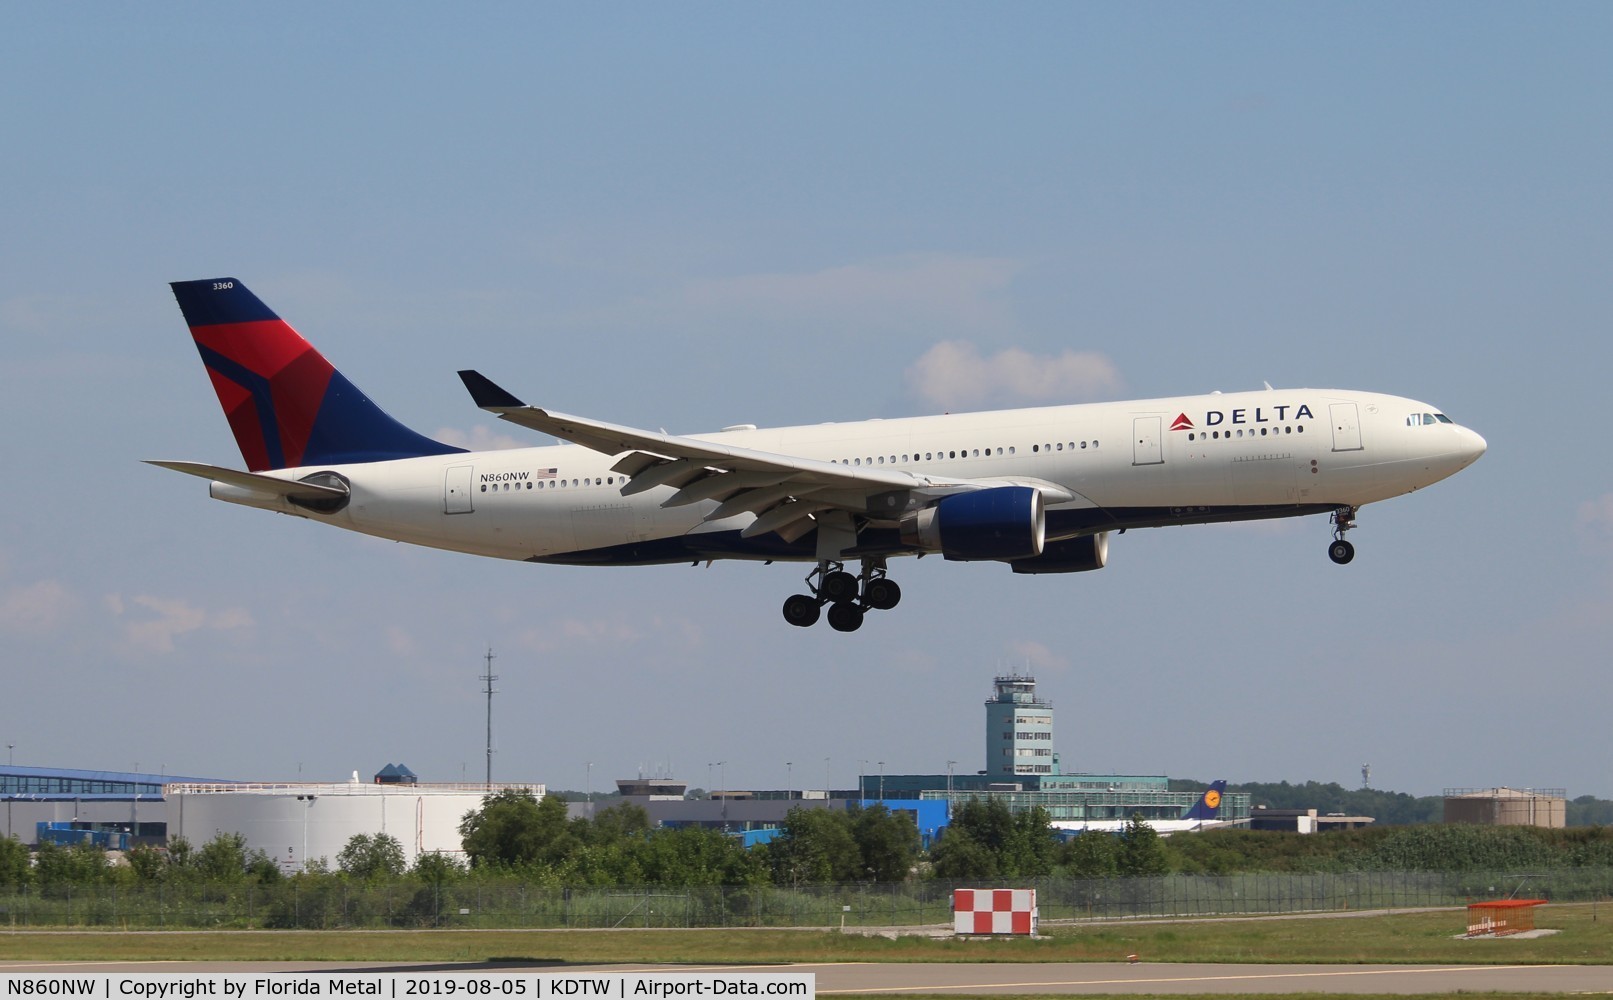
{"type": "Point", "coordinates": [1341, 552]}
{"type": "Point", "coordinates": [801, 611]}
{"type": "Point", "coordinates": [882, 593]}
{"type": "Point", "coordinates": [839, 587]}
{"type": "Point", "coordinates": [845, 617]}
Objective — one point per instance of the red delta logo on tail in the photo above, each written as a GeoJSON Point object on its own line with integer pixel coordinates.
{"type": "Point", "coordinates": [287, 406]}
{"type": "Point", "coordinates": [1182, 423]}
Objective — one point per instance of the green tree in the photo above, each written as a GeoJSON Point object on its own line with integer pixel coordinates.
{"type": "Point", "coordinates": [958, 856]}
{"type": "Point", "coordinates": [1588, 810]}
{"type": "Point", "coordinates": [697, 856]}
{"type": "Point", "coordinates": [261, 868]}
{"type": "Point", "coordinates": [82, 863]}
{"type": "Point", "coordinates": [368, 857]}
{"type": "Point", "coordinates": [1142, 852]}
{"type": "Point", "coordinates": [619, 822]}
{"type": "Point", "coordinates": [995, 843]}
{"type": "Point", "coordinates": [888, 842]}
{"type": "Point", "coordinates": [15, 870]}
{"type": "Point", "coordinates": [1091, 854]}
{"type": "Point", "coordinates": [514, 829]}
{"type": "Point", "coordinates": [147, 863]}
{"type": "Point", "coordinates": [437, 869]}
{"type": "Point", "coordinates": [223, 859]}
{"type": "Point", "coordinates": [814, 846]}
{"type": "Point", "coordinates": [1032, 845]}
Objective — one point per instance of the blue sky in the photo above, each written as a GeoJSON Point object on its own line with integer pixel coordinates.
{"type": "Point", "coordinates": [688, 216]}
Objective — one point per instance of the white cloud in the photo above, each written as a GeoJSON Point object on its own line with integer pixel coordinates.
{"type": "Point", "coordinates": [38, 607]}
{"type": "Point", "coordinates": [173, 617]}
{"type": "Point", "coordinates": [482, 438]}
{"type": "Point", "coordinates": [1037, 658]}
{"type": "Point", "coordinates": [400, 642]}
{"type": "Point", "coordinates": [954, 374]}
{"type": "Point", "coordinates": [1595, 517]}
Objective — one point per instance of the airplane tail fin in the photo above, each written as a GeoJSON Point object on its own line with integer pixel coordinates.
{"type": "Point", "coordinates": [287, 405]}
{"type": "Point", "coordinates": [1209, 804]}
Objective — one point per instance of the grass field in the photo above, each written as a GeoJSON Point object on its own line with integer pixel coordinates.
{"type": "Point", "coordinates": [1585, 936]}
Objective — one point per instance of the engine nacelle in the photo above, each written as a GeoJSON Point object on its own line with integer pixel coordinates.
{"type": "Point", "coordinates": [1070, 555]}
{"type": "Point", "coordinates": [1003, 523]}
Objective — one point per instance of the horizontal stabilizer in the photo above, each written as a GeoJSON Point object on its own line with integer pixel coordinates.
{"type": "Point", "coordinates": [291, 489]}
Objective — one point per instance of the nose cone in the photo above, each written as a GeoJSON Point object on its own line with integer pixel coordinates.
{"type": "Point", "coordinates": [1471, 447]}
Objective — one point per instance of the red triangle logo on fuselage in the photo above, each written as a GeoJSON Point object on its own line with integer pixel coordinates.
{"type": "Point", "coordinates": [1182, 423]}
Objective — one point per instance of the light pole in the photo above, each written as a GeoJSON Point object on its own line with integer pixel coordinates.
{"type": "Point", "coordinates": [950, 763]}
{"type": "Point", "coordinates": [862, 769]}
{"type": "Point", "coordinates": [722, 776]}
{"type": "Point", "coordinates": [882, 781]}
{"type": "Point", "coordinates": [789, 783]}
{"type": "Point", "coordinates": [827, 781]}
{"type": "Point", "coordinates": [588, 781]}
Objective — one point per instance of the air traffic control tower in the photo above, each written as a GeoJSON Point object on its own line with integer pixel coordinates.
{"type": "Point", "coordinates": [1019, 729]}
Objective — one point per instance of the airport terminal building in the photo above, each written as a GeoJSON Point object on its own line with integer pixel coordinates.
{"type": "Point", "coordinates": [297, 822]}
{"type": "Point", "coordinates": [1022, 771]}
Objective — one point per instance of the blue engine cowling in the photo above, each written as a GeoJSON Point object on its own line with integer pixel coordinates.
{"type": "Point", "coordinates": [1003, 523]}
{"type": "Point", "coordinates": [1068, 555]}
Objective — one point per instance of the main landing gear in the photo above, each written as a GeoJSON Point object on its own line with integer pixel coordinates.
{"type": "Point", "coordinates": [1342, 551]}
{"type": "Point", "coordinates": [848, 596]}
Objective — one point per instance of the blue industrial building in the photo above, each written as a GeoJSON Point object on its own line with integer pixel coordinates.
{"type": "Point", "coordinates": [61, 800]}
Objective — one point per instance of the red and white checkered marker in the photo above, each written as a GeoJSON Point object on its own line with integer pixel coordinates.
{"type": "Point", "coordinates": [994, 911]}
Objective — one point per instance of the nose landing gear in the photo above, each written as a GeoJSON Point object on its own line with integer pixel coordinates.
{"type": "Point", "coordinates": [849, 597]}
{"type": "Point", "coordinates": [1341, 551]}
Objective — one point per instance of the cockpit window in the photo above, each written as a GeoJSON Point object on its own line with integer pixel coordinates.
{"type": "Point", "coordinates": [1427, 419]}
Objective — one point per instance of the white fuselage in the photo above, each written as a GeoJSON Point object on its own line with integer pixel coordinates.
{"type": "Point", "coordinates": [1127, 464]}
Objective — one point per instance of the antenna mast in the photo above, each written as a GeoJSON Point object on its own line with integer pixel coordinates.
{"type": "Point", "coordinates": [488, 679]}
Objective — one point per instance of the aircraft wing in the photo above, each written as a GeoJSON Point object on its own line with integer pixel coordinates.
{"type": "Point", "coordinates": [784, 491]}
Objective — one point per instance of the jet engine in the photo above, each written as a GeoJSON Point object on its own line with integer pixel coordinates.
{"type": "Point", "coordinates": [1068, 555]}
{"type": "Point", "coordinates": [1003, 523]}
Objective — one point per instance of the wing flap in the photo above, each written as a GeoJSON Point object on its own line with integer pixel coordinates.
{"type": "Point", "coordinates": [722, 485]}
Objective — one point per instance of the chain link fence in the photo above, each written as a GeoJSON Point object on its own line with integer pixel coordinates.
{"type": "Point", "coordinates": [318, 902]}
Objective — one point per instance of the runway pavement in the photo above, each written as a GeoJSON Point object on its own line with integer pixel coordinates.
{"type": "Point", "coordinates": [999, 978]}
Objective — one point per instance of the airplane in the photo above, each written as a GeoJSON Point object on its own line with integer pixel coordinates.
{"type": "Point", "coordinates": [1202, 815]}
{"type": "Point", "coordinates": [1039, 490]}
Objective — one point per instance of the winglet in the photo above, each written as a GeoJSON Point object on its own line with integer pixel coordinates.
{"type": "Point", "coordinates": [486, 393]}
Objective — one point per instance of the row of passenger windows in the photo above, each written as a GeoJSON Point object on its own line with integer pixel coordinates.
{"type": "Point", "coordinates": [1219, 435]}
{"type": "Point", "coordinates": [942, 456]}
{"type": "Point", "coordinates": [550, 484]}
{"type": "Point", "coordinates": [929, 456]}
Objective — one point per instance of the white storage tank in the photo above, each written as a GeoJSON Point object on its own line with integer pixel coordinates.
{"type": "Point", "coordinates": [295, 822]}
